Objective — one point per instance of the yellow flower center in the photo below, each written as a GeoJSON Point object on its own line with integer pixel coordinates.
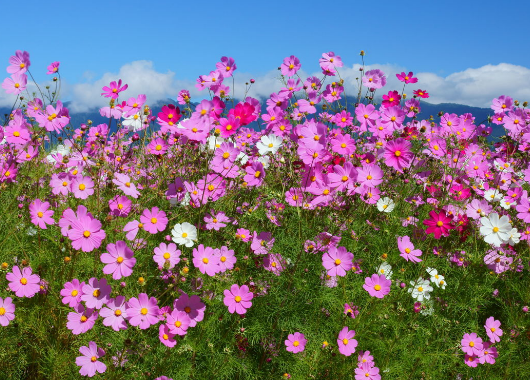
{"type": "Point", "coordinates": [471, 344]}
{"type": "Point", "coordinates": [337, 262]}
{"type": "Point", "coordinates": [117, 312]}
{"type": "Point", "coordinates": [83, 318]}
{"type": "Point", "coordinates": [167, 255]}
{"type": "Point", "coordinates": [407, 250]}
{"type": "Point", "coordinates": [86, 234]}
{"type": "Point", "coordinates": [74, 293]}
{"type": "Point", "coordinates": [237, 299]}
{"type": "Point", "coordinates": [420, 289]}
{"type": "Point", "coordinates": [93, 359]}
{"type": "Point", "coordinates": [344, 178]}
{"type": "Point", "coordinates": [377, 287]}
{"type": "Point", "coordinates": [120, 206]}
{"type": "Point", "coordinates": [40, 214]}
{"type": "Point", "coordinates": [495, 229]}
{"type": "Point", "coordinates": [2, 311]}
{"type": "Point", "coordinates": [154, 220]}
{"type": "Point", "coordinates": [226, 155]}
{"type": "Point", "coordinates": [211, 187]}
{"type": "Point", "coordinates": [82, 187]}
{"type": "Point", "coordinates": [158, 147]}
{"type": "Point", "coordinates": [16, 133]}
{"type": "Point", "coordinates": [119, 260]}
{"type": "Point", "coordinates": [271, 145]}
{"type": "Point", "coordinates": [439, 223]}
{"type": "Point", "coordinates": [143, 311]}
{"type": "Point", "coordinates": [345, 341]}
{"type": "Point", "coordinates": [257, 174]}
{"type": "Point", "coordinates": [184, 235]}
{"type": "Point", "coordinates": [296, 343]}
{"type": "Point", "coordinates": [223, 259]}
{"type": "Point", "coordinates": [96, 292]}
{"type": "Point", "coordinates": [165, 337]}
{"type": "Point", "coordinates": [397, 153]}
{"type": "Point", "coordinates": [205, 260]}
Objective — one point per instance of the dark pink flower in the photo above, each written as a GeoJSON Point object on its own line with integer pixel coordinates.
{"type": "Point", "coordinates": [7, 311]}
{"type": "Point", "coordinates": [346, 342]}
{"type": "Point", "coordinates": [119, 260]}
{"type": "Point", "coordinates": [142, 311]}
{"type": "Point", "coordinates": [407, 78]}
{"type": "Point", "coordinates": [114, 90]}
{"type": "Point", "coordinates": [295, 342]}
{"type": "Point", "coordinates": [192, 306]}
{"type": "Point", "coordinates": [439, 224]}
{"type": "Point", "coordinates": [154, 220]}
{"type": "Point", "coordinates": [96, 293]}
{"type": "Point", "coordinates": [377, 285]}
{"type": "Point", "coordinates": [40, 215]}
{"type": "Point", "coordinates": [72, 292]}
{"type": "Point", "coordinates": [81, 320]}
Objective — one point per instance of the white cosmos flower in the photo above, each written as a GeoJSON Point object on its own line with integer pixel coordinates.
{"type": "Point", "coordinates": [184, 233]}
{"type": "Point", "coordinates": [438, 279]}
{"type": "Point", "coordinates": [386, 270]}
{"type": "Point", "coordinates": [212, 142]}
{"type": "Point", "coordinates": [269, 143]}
{"type": "Point", "coordinates": [61, 149]}
{"type": "Point", "coordinates": [385, 204]}
{"type": "Point", "coordinates": [420, 289]}
{"type": "Point", "coordinates": [493, 195]}
{"type": "Point", "coordinates": [514, 236]}
{"type": "Point", "coordinates": [133, 122]}
{"type": "Point", "coordinates": [507, 203]}
{"type": "Point", "coordinates": [495, 230]}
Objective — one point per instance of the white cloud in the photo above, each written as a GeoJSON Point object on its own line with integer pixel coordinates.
{"type": "Point", "coordinates": [473, 86]}
{"type": "Point", "coordinates": [141, 77]}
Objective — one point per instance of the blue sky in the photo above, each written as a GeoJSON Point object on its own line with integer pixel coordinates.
{"type": "Point", "coordinates": [184, 39]}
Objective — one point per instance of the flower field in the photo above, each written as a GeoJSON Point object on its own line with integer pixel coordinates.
{"type": "Point", "coordinates": [300, 236]}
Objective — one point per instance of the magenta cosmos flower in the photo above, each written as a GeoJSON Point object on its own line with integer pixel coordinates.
{"type": "Point", "coordinates": [82, 187]}
{"type": "Point", "coordinates": [206, 260]}
{"type": "Point", "coordinates": [377, 285]}
{"type": "Point", "coordinates": [123, 181]}
{"type": "Point", "coordinates": [113, 90]}
{"type": "Point", "coordinates": [295, 342]}
{"type": "Point", "coordinates": [167, 338]}
{"type": "Point", "coordinates": [114, 313]}
{"type": "Point", "coordinates": [24, 284]}
{"type": "Point", "coordinates": [346, 342]}
{"type": "Point", "coordinates": [398, 154]}
{"type": "Point", "coordinates": [86, 233]}
{"type": "Point", "coordinates": [81, 319]}
{"type": "Point", "coordinates": [439, 224]}
{"type": "Point", "coordinates": [337, 261]}
{"type": "Point", "coordinates": [192, 306]}
{"type": "Point", "coordinates": [40, 215]}
{"type": "Point", "coordinates": [472, 344]}
{"type": "Point", "coordinates": [167, 254]}
{"type": "Point", "coordinates": [407, 249]}
{"type": "Point", "coordinates": [72, 292]}
{"type": "Point", "coordinates": [154, 220]}
{"type": "Point", "coordinates": [119, 260]}
{"type": "Point", "coordinates": [142, 311]}
{"type": "Point", "coordinates": [238, 299]}
{"type": "Point", "coordinates": [7, 311]}
{"type": "Point", "coordinates": [96, 293]}
{"type": "Point", "coordinates": [493, 330]}
{"type": "Point", "coordinates": [89, 362]}
{"type": "Point", "coordinates": [178, 322]}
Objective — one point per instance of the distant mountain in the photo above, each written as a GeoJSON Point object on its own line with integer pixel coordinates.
{"type": "Point", "coordinates": [427, 109]}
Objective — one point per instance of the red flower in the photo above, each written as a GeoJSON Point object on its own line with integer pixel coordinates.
{"type": "Point", "coordinates": [421, 94]}
{"type": "Point", "coordinates": [439, 224]}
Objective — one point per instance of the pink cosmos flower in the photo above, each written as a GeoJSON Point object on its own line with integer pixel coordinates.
{"type": "Point", "coordinates": [205, 259]}
{"type": "Point", "coordinates": [115, 313]}
{"type": "Point", "coordinates": [25, 283]}
{"type": "Point", "coordinates": [114, 90]}
{"type": "Point", "coordinates": [377, 285]}
{"type": "Point", "coordinates": [192, 306]}
{"type": "Point", "coordinates": [296, 342]}
{"type": "Point", "coordinates": [53, 68]}
{"type": "Point", "coordinates": [96, 293]}
{"type": "Point", "coordinates": [439, 224]}
{"type": "Point", "coordinates": [489, 354]}
{"type": "Point", "coordinates": [502, 104]}
{"type": "Point", "coordinates": [142, 311]}
{"type": "Point", "coordinates": [19, 63]}
{"type": "Point", "coordinates": [86, 233]}
{"type": "Point", "coordinates": [40, 215]}
{"type": "Point", "coordinates": [72, 292]}
{"type": "Point", "coordinates": [167, 254]}
{"type": "Point", "coordinates": [7, 311]}
{"type": "Point", "coordinates": [120, 206]}
{"type": "Point", "coordinates": [351, 310]}
{"type": "Point", "coordinates": [123, 181]}
{"type": "Point", "coordinates": [167, 338]}
{"type": "Point", "coordinates": [407, 78]}
{"type": "Point", "coordinates": [238, 299]}
{"type": "Point", "coordinates": [330, 61]}
{"type": "Point", "coordinates": [16, 84]}
{"type": "Point", "coordinates": [89, 362]}
{"type": "Point", "coordinates": [290, 66]}
{"type": "Point", "coordinates": [227, 258]}
{"type": "Point", "coordinates": [154, 220]}
{"type": "Point", "coordinates": [398, 154]}
{"type": "Point", "coordinates": [81, 320]}
{"type": "Point", "coordinates": [82, 187]}
{"type": "Point", "coordinates": [337, 261]}
{"type": "Point", "coordinates": [262, 243]}
{"type": "Point", "coordinates": [346, 342]}
{"type": "Point", "coordinates": [421, 94]}
{"type": "Point", "coordinates": [367, 371]}
{"type": "Point", "coordinates": [275, 263]}
{"type": "Point", "coordinates": [407, 249]}
{"type": "Point", "coordinates": [493, 330]}
{"type": "Point", "coordinates": [216, 221]}
{"type": "Point", "coordinates": [158, 146]}
{"type": "Point", "coordinates": [472, 344]}
{"type": "Point", "coordinates": [374, 79]}
{"type": "Point", "coordinates": [119, 260]}
{"type": "Point", "coordinates": [178, 322]}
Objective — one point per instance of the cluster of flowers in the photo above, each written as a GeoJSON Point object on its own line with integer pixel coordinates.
{"type": "Point", "coordinates": [478, 351]}
{"type": "Point", "coordinates": [338, 158]}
